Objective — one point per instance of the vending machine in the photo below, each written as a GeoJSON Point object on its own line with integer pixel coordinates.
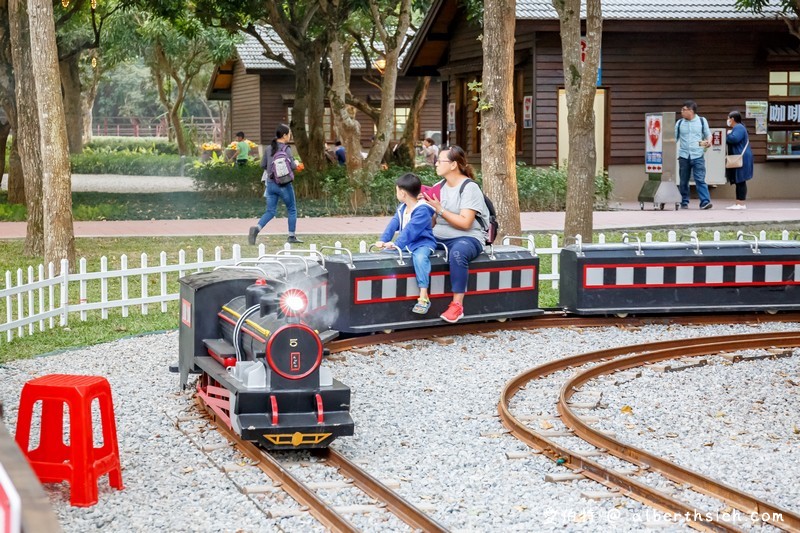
{"type": "Point", "coordinates": [660, 161]}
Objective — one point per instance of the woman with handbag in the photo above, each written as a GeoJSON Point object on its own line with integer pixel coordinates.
{"type": "Point", "coordinates": [739, 161]}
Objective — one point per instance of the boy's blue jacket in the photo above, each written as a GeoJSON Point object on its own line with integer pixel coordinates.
{"type": "Point", "coordinates": [417, 233]}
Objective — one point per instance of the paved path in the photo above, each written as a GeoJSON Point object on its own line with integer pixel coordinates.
{"type": "Point", "coordinates": [626, 215]}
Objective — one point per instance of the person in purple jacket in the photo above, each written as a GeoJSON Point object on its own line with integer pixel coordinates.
{"type": "Point", "coordinates": [413, 220]}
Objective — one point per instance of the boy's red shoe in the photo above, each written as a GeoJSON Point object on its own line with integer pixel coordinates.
{"type": "Point", "coordinates": [454, 312]}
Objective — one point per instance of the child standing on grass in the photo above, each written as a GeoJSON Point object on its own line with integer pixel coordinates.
{"type": "Point", "coordinates": [413, 220]}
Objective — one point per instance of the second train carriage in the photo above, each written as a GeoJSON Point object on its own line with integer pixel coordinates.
{"type": "Point", "coordinates": [680, 277]}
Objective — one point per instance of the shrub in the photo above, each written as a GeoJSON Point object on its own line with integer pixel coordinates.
{"type": "Point", "coordinates": [12, 212]}
{"type": "Point", "coordinates": [106, 161]}
{"type": "Point", "coordinates": [545, 189]}
{"type": "Point", "coordinates": [155, 145]}
{"type": "Point", "coordinates": [220, 177]}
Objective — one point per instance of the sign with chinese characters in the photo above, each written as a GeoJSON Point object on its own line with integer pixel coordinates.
{"type": "Point", "coordinates": [784, 115]}
{"type": "Point", "coordinates": [653, 150]}
{"type": "Point", "coordinates": [527, 112]}
{"type": "Point", "coordinates": [757, 110]}
{"type": "Point", "coordinates": [451, 116]}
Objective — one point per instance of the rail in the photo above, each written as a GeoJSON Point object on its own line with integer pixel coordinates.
{"type": "Point", "coordinates": [37, 299]}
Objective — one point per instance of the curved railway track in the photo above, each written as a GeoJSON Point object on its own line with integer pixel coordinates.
{"type": "Point", "coordinates": [307, 497]}
{"type": "Point", "coordinates": [554, 319]}
{"type": "Point", "coordinates": [617, 359]}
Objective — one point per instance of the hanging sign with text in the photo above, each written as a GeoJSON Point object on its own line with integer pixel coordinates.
{"type": "Point", "coordinates": [527, 112]}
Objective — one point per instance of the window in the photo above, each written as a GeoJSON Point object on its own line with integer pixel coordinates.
{"type": "Point", "coordinates": [783, 118]}
{"type": "Point", "coordinates": [401, 115]}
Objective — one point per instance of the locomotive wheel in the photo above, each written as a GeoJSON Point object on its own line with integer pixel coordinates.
{"type": "Point", "coordinates": [621, 315]}
{"type": "Point", "coordinates": [771, 311]}
{"type": "Point", "coordinates": [501, 320]}
{"type": "Point", "coordinates": [388, 331]}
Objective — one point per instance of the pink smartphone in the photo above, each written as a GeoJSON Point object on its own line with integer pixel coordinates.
{"type": "Point", "coordinates": [434, 191]}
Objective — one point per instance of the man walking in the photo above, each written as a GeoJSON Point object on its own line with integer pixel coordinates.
{"type": "Point", "coordinates": [693, 136]}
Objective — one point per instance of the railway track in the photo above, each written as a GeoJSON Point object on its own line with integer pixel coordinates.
{"type": "Point", "coordinates": [554, 319]}
{"type": "Point", "coordinates": [605, 362]}
{"type": "Point", "coordinates": [306, 495]}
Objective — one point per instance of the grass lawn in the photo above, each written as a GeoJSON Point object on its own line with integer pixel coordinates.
{"type": "Point", "coordinates": [94, 330]}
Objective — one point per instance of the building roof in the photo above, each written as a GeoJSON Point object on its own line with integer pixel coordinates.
{"type": "Point", "coordinates": [651, 10]}
{"type": "Point", "coordinates": [251, 53]}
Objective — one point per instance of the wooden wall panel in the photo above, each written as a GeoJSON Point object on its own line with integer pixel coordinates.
{"type": "Point", "coordinates": [245, 104]}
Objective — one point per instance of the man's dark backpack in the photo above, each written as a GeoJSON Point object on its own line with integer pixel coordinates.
{"type": "Point", "coordinates": [281, 166]}
{"type": "Point", "coordinates": [491, 227]}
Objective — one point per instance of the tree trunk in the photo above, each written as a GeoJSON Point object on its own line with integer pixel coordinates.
{"type": "Point", "coordinates": [580, 80]}
{"type": "Point", "coordinates": [498, 128]}
{"type": "Point", "coordinates": [344, 117]}
{"type": "Point", "coordinates": [316, 115]}
{"type": "Point", "coordinates": [406, 151]}
{"type": "Point", "coordinates": [27, 134]}
{"type": "Point", "coordinates": [5, 129]}
{"type": "Point", "coordinates": [59, 237]}
{"type": "Point", "coordinates": [88, 96]}
{"type": "Point", "coordinates": [16, 174]}
{"type": "Point", "coordinates": [71, 86]}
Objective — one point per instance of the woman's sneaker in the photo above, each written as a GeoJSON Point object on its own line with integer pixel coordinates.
{"type": "Point", "coordinates": [454, 312]}
{"type": "Point", "coordinates": [422, 306]}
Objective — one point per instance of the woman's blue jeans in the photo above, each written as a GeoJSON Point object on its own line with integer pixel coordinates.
{"type": "Point", "coordinates": [286, 194]}
{"type": "Point", "coordinates": [462, 250]}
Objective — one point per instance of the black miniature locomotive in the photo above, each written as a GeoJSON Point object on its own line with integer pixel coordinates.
{"type": "Point", "coordinates": [250, 333]}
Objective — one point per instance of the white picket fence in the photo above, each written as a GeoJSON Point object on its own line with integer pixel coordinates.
{"type": "Point", "coordinates": [38, 298]}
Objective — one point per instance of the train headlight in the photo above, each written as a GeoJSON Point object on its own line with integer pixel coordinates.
{"type": "Point", "coordinates": [293, 302]}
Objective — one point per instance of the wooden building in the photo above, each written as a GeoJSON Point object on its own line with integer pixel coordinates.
{"type": "Point", "coordinates": [261, 92]}
{"type": "Point", "coordinates": [655, 55]}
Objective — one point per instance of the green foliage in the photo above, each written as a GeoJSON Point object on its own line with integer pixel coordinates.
{"type": "Point", "coordinates": [476, 88]}
{"type": "Point", "coordinates": [220, 177]}
{"type": "Point", "coordinates": [94, 212]}
{"type": "Point", "coordinates": [133, 163]}
{"type": "Point", "coordinates": [545, 189]}
{"type": "Point", "coordinates": [149, 145]}
{"type": "Point", "coordinates": [11, 212]}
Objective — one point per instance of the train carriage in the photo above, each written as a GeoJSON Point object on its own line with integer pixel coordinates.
{"type": "Point", "coordinates": [680, 277]}
{"type": "Point", "coordinates": [376, 291]}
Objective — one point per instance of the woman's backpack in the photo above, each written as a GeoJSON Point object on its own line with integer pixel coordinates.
{"type": "Point", "coordinates": [281, 166]}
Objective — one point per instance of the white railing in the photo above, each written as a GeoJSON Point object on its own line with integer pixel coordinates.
{"type": "Point", "coordinates": [35, 298]}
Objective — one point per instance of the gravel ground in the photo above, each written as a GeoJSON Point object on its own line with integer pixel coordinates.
{"type": "Point", "coordinates": [426, 417]}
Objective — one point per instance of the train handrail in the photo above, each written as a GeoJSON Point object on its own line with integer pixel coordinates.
{"type": "Point", "coordinates": [529, 239]}
{"type": "Point", "coordinates": [753, 245]}
{"type": "Point", "coordinates": [345, 250]}
{"type": "Point", "coordinates": [578, 243]}
{"type": "Point", "coordinates": [491, 251]}
{"type": "Point", "coordinates": [626, 238]}
{"type": "Point", "coordinates": [446, 250]}
{"type": "Point", "coordinates": [695, 240]}
{"type": "Point", "coordinates": [287, 256]}
{"type": "Point", "coordinates": [399, 253]}
{"type": "Point", "coordinates": [294, 251]}
{"type": "Point", "coordinates": [241, 266]}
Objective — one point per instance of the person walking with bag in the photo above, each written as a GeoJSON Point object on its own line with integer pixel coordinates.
{"type": "Point", "coordinates": [739, 162]}
{"type": "Point", "coordinates": [279, 166]}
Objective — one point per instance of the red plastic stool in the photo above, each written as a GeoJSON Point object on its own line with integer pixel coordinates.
{"type": "Point", "coordinates": [80, 463]}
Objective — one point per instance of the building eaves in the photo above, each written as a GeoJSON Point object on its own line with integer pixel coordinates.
{"type": "Point", "coordinates": [651, 10]}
